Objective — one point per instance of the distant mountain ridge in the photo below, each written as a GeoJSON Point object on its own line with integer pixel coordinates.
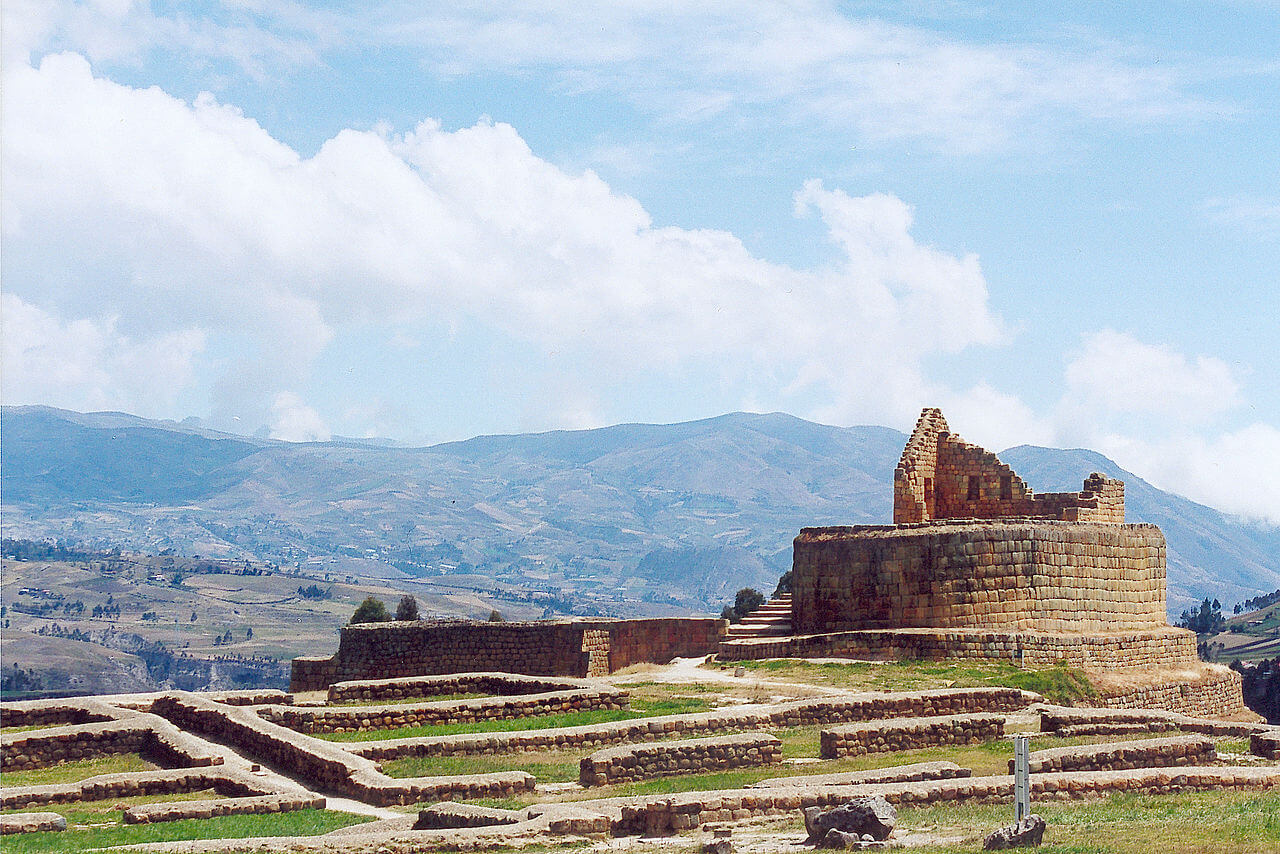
{"type": "Point", "coordinates": [679, 515]}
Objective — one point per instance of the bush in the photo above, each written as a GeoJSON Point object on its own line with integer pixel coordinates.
{"type": "Point", "coordinates": [371, 610]}
{"type": "Point", "coordinates": [784, 585]}
{"type": "Point", "coordinates": [746, 601]}
{"type": "Point", "coordinates": [407, 609]}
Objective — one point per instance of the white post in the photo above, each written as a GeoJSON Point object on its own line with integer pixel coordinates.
{"type": "Point", "coordinates": [1021, 777]}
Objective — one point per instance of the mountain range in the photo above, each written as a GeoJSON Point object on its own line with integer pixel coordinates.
{"type": "Point", "coordinates": [678, 516]}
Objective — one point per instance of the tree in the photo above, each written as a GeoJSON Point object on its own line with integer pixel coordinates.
{"type": "Point", "coordinates": [371, 610]}
{"type": "Point", "coordinates": [407, 609]}
{"type": "Point", "coordinates": [784, 585]}
{"type": "Point", "coordinates": [248, 635]}
{"type": "Point", "coordinates": [744, 602]}
{"type": "Point", "coordinates": [1207, 619]}
{"type": "Point", "coordinates": [495, 617]}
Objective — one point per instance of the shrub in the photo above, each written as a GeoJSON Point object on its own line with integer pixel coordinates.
{"type": "Point", "coordinates": [371, 610]}
{"type": "Point", "coordinates": [407, 609]}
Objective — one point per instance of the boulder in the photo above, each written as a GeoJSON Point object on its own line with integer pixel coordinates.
{"type": "Point", "coordinates": [873, 816]}
{"type": "Point", "coordinates": [1020, 834]}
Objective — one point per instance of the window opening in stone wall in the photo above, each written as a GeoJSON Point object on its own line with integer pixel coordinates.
{"type": "Point", "coordinates": [1006, 487]}
{"type": "Point", "coordinates": [973, 487]}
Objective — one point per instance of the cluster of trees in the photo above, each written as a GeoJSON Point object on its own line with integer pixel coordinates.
{"type": "Point", "coordinates": [1207, 619]}
{"type": "Point", "coordinates": [226, 637]}
{"type": "Point", "coordinates": [1258, 602]}
{"type": "Point", "coordinates": [15, 679]}
{"type": "Point", "coordinates": [315, 591]}
{"type": "Point", "coordinates": [109, 611]}
{"type": "Point", "coordinates": [745, 601]}
{"type": "Point", "coordinates": [374, 610]}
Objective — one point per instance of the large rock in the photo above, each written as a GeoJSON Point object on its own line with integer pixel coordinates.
{"type": "Point", "coordinates": [1020, 834]}
{"type": "Point", "coordinates": [872, 816]}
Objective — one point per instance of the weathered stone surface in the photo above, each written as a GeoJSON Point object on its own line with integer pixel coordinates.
{"type": "Point", "coordinates": [1143, 753]}
{"type": "Point", "coordinates": [869, 815]}
{"type": "Point", "coordinates": [689, 756]}
{"type": "Point", "coordinates": [464, 815]}
{"type": "Point", "coordinates": [1020, 834]}
{"type": "Point", "coordinates": [908, 734]}
{"type": "Point", "coordinates": [31, 822]}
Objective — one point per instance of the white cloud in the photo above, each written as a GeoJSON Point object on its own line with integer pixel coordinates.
{"type": "Point", "coordinates": [1115, 373]}
{"type": "Point", "coordinates": [191, 214]}
{"type": "Point", "coordinates": [1253, 216]}
{"type": "Point", "coordinates": [293, 421]}
{"type": "Point", "coordinates": [804, 63]}
{"type": "Point", "coordinates": [88, 364]}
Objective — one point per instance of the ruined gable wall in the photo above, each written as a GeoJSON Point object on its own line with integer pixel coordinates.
{"type": "Point", "coordinates": [913, 479]}
{"type": "Point", "coordinates": [1030, 575]}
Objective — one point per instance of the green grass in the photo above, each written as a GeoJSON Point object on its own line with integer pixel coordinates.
{"type": "Point", "coordinates": [1223, 822]}
{"type": "Point", "coordinates": [300, 823]}
{"type": "Point", "coordinates": [70, 772]}
{"type": "Point", "coordinates": [547, 767]}
{"type": "Point", "coordinates": [6, 730]}
{"type": "Point", "coordinates": [1057, 684]}
{"type": "Point", "coordinates": [640, 708]}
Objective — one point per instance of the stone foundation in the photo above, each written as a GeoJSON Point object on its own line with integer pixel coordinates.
{"type": "Point", "coordinates": [691, 756]}
{"type": "Point", "coordinates": [1135, 649]}
{"type": "Point", "coordinates": [908, 734]}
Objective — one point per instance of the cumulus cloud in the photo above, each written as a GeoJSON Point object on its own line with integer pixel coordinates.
{"type": "Point", "coordinates": [86, 363]}
{"type": "Point", "coordinates": [190, 214]}
{"type": "Point", "coordinates": [293, 421]}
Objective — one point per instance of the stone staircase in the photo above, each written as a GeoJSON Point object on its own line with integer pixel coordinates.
{"type": "Point", "coordinates": [772, 619]}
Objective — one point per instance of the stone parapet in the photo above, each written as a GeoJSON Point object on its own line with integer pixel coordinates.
{"type": "Point", "coordinates": [397, 716]}
{"type": "Point", "coordinates": [1116, 651]}
{"type": "Point", "coordinates": [688, 756]}
{"type": "Point", "coordinates": [1123, 755]}
{"type": "Point", "coordinates": [908, 734]}
{"type": "Point", "coordinates": [871, 706]}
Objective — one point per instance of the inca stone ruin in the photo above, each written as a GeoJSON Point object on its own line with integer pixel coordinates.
{"type": "Point", "coordinates": [976, 568]}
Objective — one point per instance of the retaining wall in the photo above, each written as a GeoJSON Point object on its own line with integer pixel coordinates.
{"type": "Point", "coordinates": [908, 734]}
{"type": "Point", "coordinates": [1218, 693]}
{"type": "Point", "coordinates": [689, 756]}
{"type": "Point", "coordinates": [1134, 649]}
{"type": "Point", "coordinates": [492, 684]}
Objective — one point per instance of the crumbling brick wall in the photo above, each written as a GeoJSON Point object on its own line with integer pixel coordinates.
{"type": "Point", "coordinates": [940, 476]}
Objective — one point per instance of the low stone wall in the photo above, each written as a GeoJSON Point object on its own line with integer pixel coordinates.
{"type": "Point", "coordinates": [446, 815]}
{"type": "Point", "coordinates": [870, 706]}
{"type": "Point", "coordinates": [653, 814]}
{"type": "Point", "coordinates": [690, 756]}
{"type": "Point", "coordinates": [50, 713]}
{"type": "Point", "coordinates": [495, 684]}
{"type": "Point", "coordinates": [539, 648]}
{"type": "Point", "coordinates": [914, 772]}
{"type": "Point", "coordinates": [325, 765]}
{"type": "Point", "coordinates": [908, 734]}
{"type": "Point", "coordinates": [1071, 722]}
{"type": "Point", "coordinates": [1131, 649]}
{"type": "Point", "coordinates": [1123, 755]}
{"type": "Point", "coordinates": [31, 822]}
{"type": "Point", "coordinates": [1265, 744]}
{"type": "Point", "coordinates": [135, 732]}
{"type": "Point", "coordinates": [132, 784]}
{"type": "Point", "coordinates": [1218, 693]}
{"type": "Point", "coordinates": [261, 804]}
{"type": "Point", "coordinates": [361, 718]}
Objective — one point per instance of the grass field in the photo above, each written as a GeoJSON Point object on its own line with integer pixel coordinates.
{"type": "Point", "coordinates": [75, 839]}
{"type": "Point", "coordinates": [70, 772]}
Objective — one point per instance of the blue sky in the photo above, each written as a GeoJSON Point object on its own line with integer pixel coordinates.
{"type": "Point", "coordinates": [430, 221]}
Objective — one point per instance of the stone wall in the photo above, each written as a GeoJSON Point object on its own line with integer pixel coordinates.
{"type": "Point", "coordinates": [1118, 756]}
{"type": "Point", "coordinates": [1216, 694]}
{"type": "Point", "coordinates": [255, 805]}
{"type": "Point", "coordinates": [908, 734]}
{"type": "Point", "coordinates": [539, 648]}
{"type": "Point", "coordinates": [1073, 722]}
{"type": "Point", "coordinates": [135, 732]}
{"type": "Point", "coordinates": [492, 684]}
{"type": "Point", "coordinates": [1265, 744]}
{"type": "Point", "coordinates": [689, 756]}
{"type": "Point", "coordinates": [780, 715]}
{"type": "Point", "coordinates": [133, 784]}
{"type": "Point", "coordinates": [1134, 649]}
{"type": "Point", "coordinates": [358, 718]}
{"type": "Point", "coordinates": [1028, 575]}
{"type": "Point", "coordinates": [940, 476]}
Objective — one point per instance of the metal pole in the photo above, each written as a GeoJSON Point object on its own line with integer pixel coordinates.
{"type": "Point", "coordinates": [1021, 777]}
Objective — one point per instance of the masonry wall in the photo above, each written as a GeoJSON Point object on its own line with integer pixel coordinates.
{"type": "Point", "coordinates": [541, 648]}
{"type": "Point", "coordinates": [1031, 575]}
